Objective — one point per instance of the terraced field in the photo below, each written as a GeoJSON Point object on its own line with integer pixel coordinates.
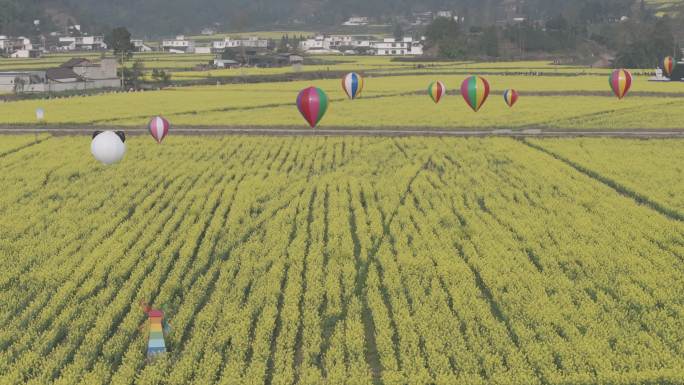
{"type": "Point", "coordinates": [354, 260]}
{"type": "Point", "coordinates": [552, 101]}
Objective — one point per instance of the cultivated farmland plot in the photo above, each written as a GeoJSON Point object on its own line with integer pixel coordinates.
{"type": "Point", "coordinates": [354, 260]}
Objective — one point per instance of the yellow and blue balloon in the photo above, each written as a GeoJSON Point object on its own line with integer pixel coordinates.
{"type": "Point", "coordinates": [352, 83]}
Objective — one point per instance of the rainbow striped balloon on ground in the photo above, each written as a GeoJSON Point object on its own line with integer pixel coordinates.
{"type": "Point", "coordinates": [312, 103]}
{"type": "Point", "coordinates": [475, 90]}
{"type": "Point", "coordinates": [620, 82]}
{"type": "Point", "coordinates": [159, 128]}
{"type": "Point", "coordinates": [510, 97]}
{"type": "Point", "coordinates": [352, 84]}
{"type": "Point", "coordinates": [668, 65]}
{"type": "Point", "coordinates": [436, 90]}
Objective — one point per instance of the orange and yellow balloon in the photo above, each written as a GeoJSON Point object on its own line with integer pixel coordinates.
{"type": "Point", "coordinates": [620, 81]}
{"type": "Point", "coordinates": [668, 65]}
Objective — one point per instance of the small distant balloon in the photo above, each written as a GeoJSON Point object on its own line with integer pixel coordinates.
{"type": "Point", "coordinates": [475, 90]}
{"type": "Point", "coordinates": [352, 83]}
{"type": "Point", "coordinates": [312, 103]}
{"type": "Point", "coordinates": [620, 82]}
{"type": "Point", "coordinates": [159, 128]}
{"type": "Point", "coordinates": [108, 147]}
{"type": "Point", "coordinates": [40, 114]}
{"type": "Point", "coordinates": [510, 96]}
{"type": "Point", "coordinates": [668, 65]}
{"type": "Point", "coordinates": [436, 90]}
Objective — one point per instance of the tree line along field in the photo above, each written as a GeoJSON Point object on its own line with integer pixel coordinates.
{"type": "Point", "coordinates": [553, 101]}
{"type": "Point", "coordinates": [343, 260]}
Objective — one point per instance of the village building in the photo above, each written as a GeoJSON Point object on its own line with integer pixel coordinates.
{"type": "Point", "coordinates": [140, 46]}
{"type": "Point", "coordinates": [356, 21]}
{"type": "Point", "coordinates": [399, 47]}
{"type": "Point", "coordinates": [76, 74]}
{"type": "Point", "coordinates": [82, 43]}
{"type": "Point", "coordinates": [361, 44]}
{"type": "Point", "coordinates": [19, 47]}
{"type": "Point", "coordinates": [227, 43]}
{"type": "Point", "coordinates": [178, 45]}
{"type": "Point", "coordinates": [203, 49]}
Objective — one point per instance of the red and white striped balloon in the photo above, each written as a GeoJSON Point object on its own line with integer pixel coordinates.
{"type": "Point", "coordinates": [159, 128]}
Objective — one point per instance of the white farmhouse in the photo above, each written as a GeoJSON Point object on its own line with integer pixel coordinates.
{"type": "Point", "coordinates": [140, 46]}
{"type": "Point", "coordinates": [356, 21]}
{"type": "Point", "coordinates": [398, 47]}
{"type": "Point", "coordinates": [178, 45]}
{"type": "Point", "coordinates": [82, 43]}
{"type": "Point", "coordinates": [319, 42]}
{"type": "Point", "coordinates": [10, 45]}
{"type": "Point", "coordinates": [250, 42]}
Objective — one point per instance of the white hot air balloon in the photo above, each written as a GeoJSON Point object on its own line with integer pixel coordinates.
{"type": "Point", "coordinates": [108, 147]}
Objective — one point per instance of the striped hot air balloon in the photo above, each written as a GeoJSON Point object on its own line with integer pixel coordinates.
{"type": "Point", "coordinates": [510, 97]}
{"type": "Point", "coordinates": [159, 128]}
{"type": "Point", "coordinates": [436, 90]}
{"type": "Point", "coordinates": [475, 90]}
{"type": "Point", "coordinates": [620, 82]}
{"type": "Point", "coordinates": [668, 65]}
{"type": "Point", "coordinates": [352, 84]}
{"type": "Point", "coordinates": [312, 103]}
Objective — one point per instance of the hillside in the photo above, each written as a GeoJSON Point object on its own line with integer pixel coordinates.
{"type": "Point", "coordinates": [164, 17]}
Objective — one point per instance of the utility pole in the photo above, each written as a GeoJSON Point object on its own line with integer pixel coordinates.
{"type": "Point", "coordinates": [123, 68]}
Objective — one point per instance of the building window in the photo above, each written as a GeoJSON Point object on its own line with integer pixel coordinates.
{"type": "Point", "coordinates": [394, 52]}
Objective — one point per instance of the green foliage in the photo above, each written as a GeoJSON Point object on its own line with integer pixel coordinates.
{"type": "Point", "coordinates": [119, 41]}
{"type": "Point", "coordinates": [643, 45]}
{"type": "Point", "coordinates": [134, 76]}
{"type": "Point", "coordinates": [161, 76]}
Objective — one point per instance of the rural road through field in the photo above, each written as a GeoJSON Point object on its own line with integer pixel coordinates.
{"type": "Point", "coordinates": [676, 133]}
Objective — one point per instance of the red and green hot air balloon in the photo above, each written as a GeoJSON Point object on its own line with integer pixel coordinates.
{"type": "Point", "coordinates": [436, 90]}
{"type": "Point", "coordinates": [510, 96]}
{"type": "Point", "coordinates": [620, 82]}
{"type": "Point", "coordinates": [312, 103]}
{"type": "Point", "coordinates": [668, 65]}
{"type": "Point", "coordinates": [475, 90]}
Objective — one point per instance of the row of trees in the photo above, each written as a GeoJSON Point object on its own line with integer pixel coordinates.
{"type": "Point", "coordinates": [637, 40]}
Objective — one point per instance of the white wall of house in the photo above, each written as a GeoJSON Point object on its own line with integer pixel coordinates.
{"type": "Point", "coordinates": [82, 43]}
{"type": "Point", "coordinates": [140, 46]}
{"type": "Point", "coordinates": [22, 54]}
{"type": "Point", "coordinates": [251, 42]}
{"type": "Point", "coordinates": [203, 50]}
{"type": "Point", "coordinates": [179, 44]}
{"type": "Point", "coordinates": [398, 47]}
{"type": "Point", "coordinates": [386, 47]}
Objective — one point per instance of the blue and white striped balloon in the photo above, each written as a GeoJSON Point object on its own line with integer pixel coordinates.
{"type": "Point", "coordinates": [352, 84]}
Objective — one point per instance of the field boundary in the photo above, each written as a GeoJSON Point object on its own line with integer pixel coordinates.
{"type": "Point", "coordinates": [61, 130]}
{"type": "Point", "coordinates": [11, 151]}
{"type": "Point", "coordinates": [639, 198]}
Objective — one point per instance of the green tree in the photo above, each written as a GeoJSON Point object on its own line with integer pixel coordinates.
{"type": "Point", "coordinates": [161, 76]}
{"type": "Point", "coordinates": [119, 40]}
{"type": "Point", "coordinates": [134, 76]}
